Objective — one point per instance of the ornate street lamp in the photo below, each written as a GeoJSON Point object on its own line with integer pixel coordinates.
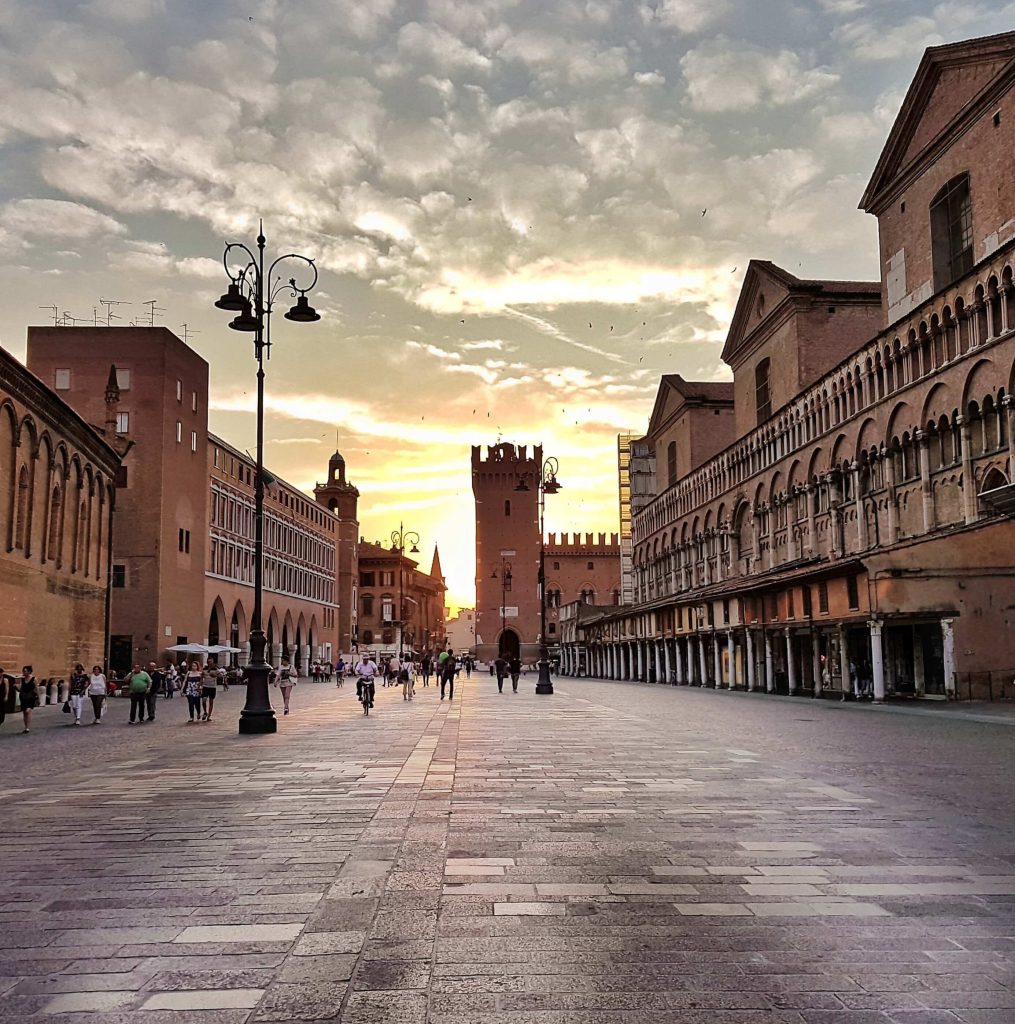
{"type": "Point", "coordinates": [251, 295]}
{"type": "Point", "coordinates": [399, 539]}
{"type": "Point", "coordinates": [505, 585]}
{"type": "Point", "coordinates": [548, 484]}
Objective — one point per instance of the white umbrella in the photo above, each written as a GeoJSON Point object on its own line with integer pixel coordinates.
{"type": "Point", "coordinates": [222, 649]}
{"type": "Point", "coordinates": [188, 649]}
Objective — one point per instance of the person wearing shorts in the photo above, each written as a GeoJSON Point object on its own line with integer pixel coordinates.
{"type": "Point", "coordinates": [285, 680]}
{"type": "Point", "coordinates": [209, 688]}
{"type": "Point", "coordinates": [192, 691]}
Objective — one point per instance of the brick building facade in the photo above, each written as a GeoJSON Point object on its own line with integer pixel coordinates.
{"type": "Point", "coordinates": [57, 496]}
{"type": "Point", "coordinates": [507, 557]}
{"type": "Point", "coordinates": [183, 556]}
{"type": "Point", "coordinates": [849, 531]}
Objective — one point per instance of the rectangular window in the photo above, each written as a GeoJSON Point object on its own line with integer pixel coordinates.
{"type": "Point", "coordinates": [61, 380]}
{"type": "Point", "coordinates": [725, 610]}
{"type": "Point", "coordinates": [551, 627]}
{"type": "Point", "coordinates": [179, 390]}
{"type": "Point", "coordinates": [193, 440]}
{"type": "Point", "coordinates": [773, 607]}
{"type": "Point", "coordinates": [215, 458]}
{"type": "Point", "coordinates": [122, 422]}
{"type": "Point", "coordinates": [119, 576]}
{"type": "Point", "coordinates": [852, 592]}
{"type": "Point", "coordinates": [805, 593]}
{"type": "Point", "coordinates": [387, 579]}
{"type": "Point", "coordinates": [791, 603]}
{"type": "Point", "coordinates": [184, 541]}
{"type": "Point", "coordinates": [556, 565]}
{"type": "Point", "coordinates": [710, 611]}
{"type": "Point", "coordinates": [193, 400]}
{"type": "Point", "coordinates": [179, 432]}
{"type": "Point", "coordinates": [366, 579]}
{"type": "Point", "coordinates": [123, 379]}
{"type": "Point", "coordinates": [589, 565]}
{"type": "Point", "coordinates": [823, 597]}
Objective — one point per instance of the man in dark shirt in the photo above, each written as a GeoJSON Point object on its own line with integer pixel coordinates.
{"type": "Point", "coordinates": [500, 667]}
{"type": "Point", "coordinates": [515, 667]}
{"type": "Point", "coordinates": [157, 687]}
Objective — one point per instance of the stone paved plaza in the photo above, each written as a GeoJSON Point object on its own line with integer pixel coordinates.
{"type": "Point", "coordinates": [616, 852]}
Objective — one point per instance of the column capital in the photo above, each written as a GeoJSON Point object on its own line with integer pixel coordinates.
{"type": "Point", "coordinates": [875, 626]}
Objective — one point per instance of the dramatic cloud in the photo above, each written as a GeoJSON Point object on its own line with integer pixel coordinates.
{"type": "Point", "coordinates": [523, 212]}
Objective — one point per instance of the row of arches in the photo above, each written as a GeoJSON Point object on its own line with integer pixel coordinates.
{"type": "Point", "coordinates": [925, 346]}
{"type": "Point", "coordinates": [916, 470]}
{"type": "Point", "coordinates": [295, 637]}
{"type": "Point", "coordinates": [55, 504]}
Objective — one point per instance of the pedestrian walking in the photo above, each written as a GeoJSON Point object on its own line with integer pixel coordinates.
{"type": "Point", "coordinates": [407, 677]}
{"type": "Point", "coordinates": [425, 668]}
{"type": "Point", "coordinates": [138, 685]}
{"type": "Point", "coordinates": [366, 672]}
{"type": "Point", "coordinates": [500, 666]}
{"type": "Point", "coordinates": [157, 688]}
{"type": "Point", "coordinates": [285, 679]}
{"type": "Point", "coordinates": [170, 675]}
{"type": "Point", "coordinates": [448, 674]}
{"type": "Point", "coordinates": [209, 690]}
{"type": "Point", "coordinates": [97, 690]}
{"type": "Point", "coordinates": [78, 692]}
{"type": "Point", "coordinates": [192, 691]}
{"type": "Point", "coordinates": [28, 695]}
{"type": "Point", "coordinates": [6, 692]}
{"type": "Point", "coordinates": [515, 668]}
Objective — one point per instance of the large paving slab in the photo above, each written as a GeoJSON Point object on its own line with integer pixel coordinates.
{"type": "Point", "coordinates": [615, 852]}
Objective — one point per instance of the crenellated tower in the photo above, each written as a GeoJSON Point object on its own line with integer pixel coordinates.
{"type": "Point", "coordinates": [342, 498]}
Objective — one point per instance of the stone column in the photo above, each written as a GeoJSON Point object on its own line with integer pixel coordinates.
{"type": "Point", "coordinates": [716, 661]}
{"type": "Point", "coordinates": [812, 529]}
{"type": "Point", "coordinates": [701, 660]}
{"type": "Point", "coordinates": [750, 660]}
{"type": "Point", "coordinates": [1009, 413]}
{"type": "Point", "coordinates": [731, 657]}
{"type": "Point", "coordinates": [678, 661]}
{"type": "Point", "coordinates": [948, 645]}
{"type": "Point", "coordinates": [923, 450]}
{"type": "Point", "coordinates": [658, 655]}
{"type": "Point", "coordinates": [847, 684]}
{"type": "Point", "coordinates": [969, 495]}
{"type": "Point", "coordinates": [877, 661]}
{"type": "Point", "coordinates": [769, 674]}
{"type": "Point", "coordinates": [861, 515]}
{"type": "Point", "coordinates": [791, 537]}
{"type": "Point", "coordinates": [816, 663]}
{"type": "Point", "coordinates": [888, 461]}
{"type": "Point", "coordinates": [666, 661]}
{"type": "Point", "coordinates": [790, 663]}
{"type": "Point", "coordinates": [919, 668]}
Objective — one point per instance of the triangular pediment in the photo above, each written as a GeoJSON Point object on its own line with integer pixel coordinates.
{"type": "Point", "coordinates": [952, 86]}
{"type": "Point", "coordinates": [764, 289]}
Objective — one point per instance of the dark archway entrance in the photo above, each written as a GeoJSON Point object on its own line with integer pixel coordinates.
{"type": "Point", "coordinates": [509, 646]}
{"type": "Point", "coordinates": [213, 628]}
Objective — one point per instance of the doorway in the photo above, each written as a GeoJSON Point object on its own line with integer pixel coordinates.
{"type": "Point", "coordinates": [121, 653]}
{"type": "Point", "coordinates": [509, 646]}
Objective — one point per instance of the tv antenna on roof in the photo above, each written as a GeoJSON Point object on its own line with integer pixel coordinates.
{"type": "Point", "coordinates": [55, 311]}
{"type": "Point", "coordinates": [110, 316]}
{"type": "Point", "coordinates": [153, 311]}
{"type": "Point", "coordinates": [187, 333]}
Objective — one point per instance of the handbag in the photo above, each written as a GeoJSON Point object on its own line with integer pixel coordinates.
{"type": "Point", "coordinates": [66, 707]}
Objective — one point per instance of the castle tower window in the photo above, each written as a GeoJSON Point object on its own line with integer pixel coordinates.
{"type": "Point", "coordinates": [951, 232]}
{"type": "Point", "coordinates": [507, 507]}
{"type": "Point", "coordinates": [762, 391]}
{"type": "Point", "coordinates": [671, 463]}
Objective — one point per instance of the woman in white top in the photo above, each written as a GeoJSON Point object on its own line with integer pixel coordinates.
{"type": "Point", "coordinates": [285, 679]}
{"type": "Point", "coordinates": [97, 691]}
{"type": "Point", "coordinates": [407, 676]}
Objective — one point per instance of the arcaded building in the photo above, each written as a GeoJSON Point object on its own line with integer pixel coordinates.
{"type": "Point", "coordinates": [577, 567]}
{"type": "Point", "coordinates": [58, 475]}
{"type": "Point", "coordinates": [855, 528]}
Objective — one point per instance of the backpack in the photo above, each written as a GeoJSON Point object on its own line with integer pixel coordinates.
{"type": "Point", "coordinates": [403, 675]}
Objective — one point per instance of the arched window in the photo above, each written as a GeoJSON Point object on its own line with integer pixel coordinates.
{"type": "Point", "coordinates": [762, 391]}
{"type": "Point", "coordinates": [56, 503]}
{"type": "Point", "coordinates": [21, 516]}
{"type": "Point", "coordinates": [671, 463]}
{"type": "Point", "coordinates": [368, 636]}
{"type": "Point", "coordinates": [951, 232]}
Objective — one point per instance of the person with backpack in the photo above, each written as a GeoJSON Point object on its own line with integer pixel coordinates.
{"type": "Point", "coordinates": [139, 683]}
{"type": "Point", "coordinates": [407, 677]}
{"type": "Point", "coordinates": [285, 680]}
{"type": "Point", "coordinates": [425, 667]}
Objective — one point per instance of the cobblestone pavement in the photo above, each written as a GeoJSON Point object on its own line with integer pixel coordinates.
{"type": "Point", "coordinates": [614, 853]}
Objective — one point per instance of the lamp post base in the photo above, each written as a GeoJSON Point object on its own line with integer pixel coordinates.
{"type": "Point", "coordinates": [544, 684]}
{"type": "Point", "coordinates": [258, 716]}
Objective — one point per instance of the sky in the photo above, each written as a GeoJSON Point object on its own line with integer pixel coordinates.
{"type": "Point", "coordinates": [523, 211]}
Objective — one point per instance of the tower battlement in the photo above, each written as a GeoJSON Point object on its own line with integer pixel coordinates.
{"type": "Point", "coordinates": [580, 544]}
{"type": "Point", "coordinates": [507, 456]}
